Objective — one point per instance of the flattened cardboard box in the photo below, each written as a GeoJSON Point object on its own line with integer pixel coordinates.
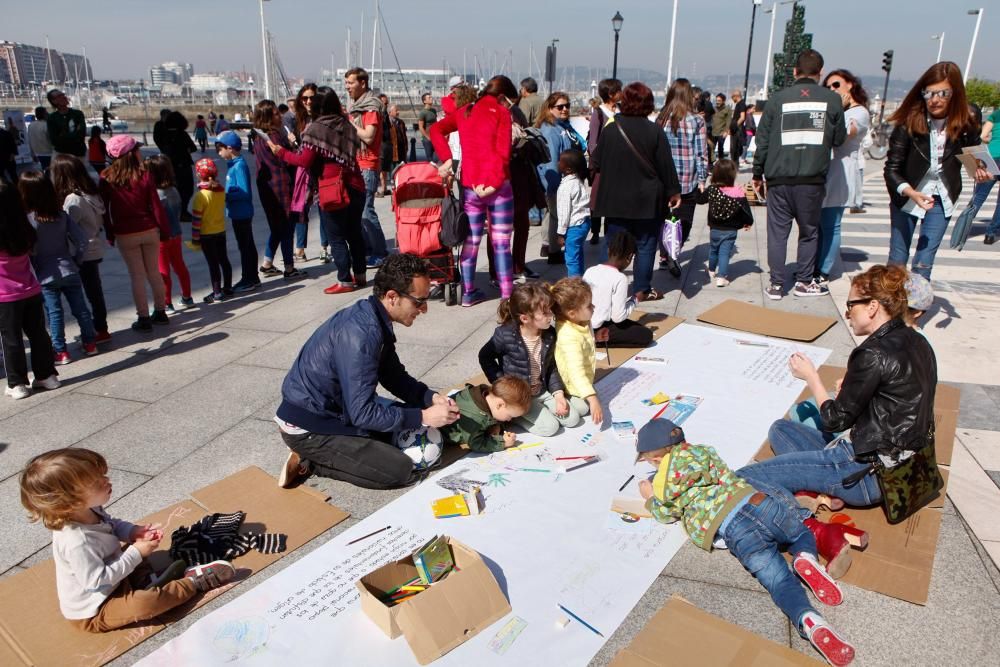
{"type": "Point", "coordinates": [445, 615]}
{"type": "Point", "coordinates": [734, 314]}
{"type": "Point", "coordinates": [682, 634]}
{"type": "Point", "coordinates": [28, 600]}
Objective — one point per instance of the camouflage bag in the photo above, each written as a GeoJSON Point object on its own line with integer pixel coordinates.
{"type": "Point", "coordinates": [909, 485]}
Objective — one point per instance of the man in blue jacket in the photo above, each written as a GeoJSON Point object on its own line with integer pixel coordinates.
{"type": "Point", "coordinates": [330, 417]}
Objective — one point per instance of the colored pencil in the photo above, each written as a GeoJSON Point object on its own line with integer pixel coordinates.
{"type": "Point", "coordinates": [622, 487]}
{"type": "Point", "coordinates": [449, 516]}
{"type": "Point", "coordinates": [752, 343]}
{"type": "Point", "coordinates": [661, 410]}
{"type": "Point", "coordinates": [534, 444]}
{"type": "Point", "coordinates": [570, 458]}
{"type": "Point", "coordinates": [585, 624]}
{"type": "Point", "coordinates": [365, 537]}
{"type": "Point", "coordinates": [534, 470]}
{"type": "Point", "coordinates": [607, 351]}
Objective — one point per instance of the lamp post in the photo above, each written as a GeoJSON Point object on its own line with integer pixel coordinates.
{"type": "Point", "coordinates": [753, 21]}
{"type": "Point", "coordinates": [773, 11]}
{"type": "Point", "coordinates": [978, 13]}
{"type": "Point", "coordinates": [940, 40]}
{"type": "Point", "coordinates": [263, 43]}
{"type": "Point", "coordinates": [616, 25]}
{"type": "Point", "coordinates": [673, 32]}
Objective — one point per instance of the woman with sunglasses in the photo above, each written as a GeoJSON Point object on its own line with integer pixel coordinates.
{"type": "Point", "coordinates": [553, 122]}
{"type": "Point", "coordinates": [301, 190]}
{"type": "Point", "coordinates": [885, 401]}
{"type": "Point", "coordinates": [922, 170]}
{"type": "Point", "coordinates": [843, 178]}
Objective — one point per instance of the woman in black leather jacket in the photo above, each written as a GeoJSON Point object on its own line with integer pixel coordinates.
{"type": "Point", "coordinates": [922, 170]}
{"type": "Point", "coordinates": [886, 399]}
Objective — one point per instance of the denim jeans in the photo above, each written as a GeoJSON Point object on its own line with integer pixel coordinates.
{"type": "Point", "coordinates": [243, 229]}
{"type": "Point", "coordinates": [721, 249]}
{"type": "Point", "coordinates": [343, 228]}
{"type": "Point", "coordinates": [372, 228]}
{"type": "Point", "coordinates": [829, 238]}
{"type": "Point", "coordinates": [755, 535]}
{"type": "Point", "coordinates": [576, 237]}
{"type": "Point", "coordinates": [932, 231]}
{"type": "Point", "coordinates": [72, 288]}
{"type": "Point", "coordinates": [645, 233]}
{"type": "Point", "coordinates": [979, 196]}
{"type": "Point", "coordinates": [804, 461]}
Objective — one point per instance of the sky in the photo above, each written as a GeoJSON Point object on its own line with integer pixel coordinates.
{"type": "Point", "coordinates": [224, 35]}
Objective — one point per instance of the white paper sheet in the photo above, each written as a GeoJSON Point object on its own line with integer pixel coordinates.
{"type": "Point", "coordinates": [544, 532]}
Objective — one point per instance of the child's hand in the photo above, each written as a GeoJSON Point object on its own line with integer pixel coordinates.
{"type": "Point", "coordinates": [646, 489]}
{"type": "Point", "coordinates": [602, 335]}
{"type": "Point", "coordinates": [147, 532]}
{"type": "Point", "coordinates": [496, 429]}
{"type": "Point", "coordinates": [596, 411]}
{"type": "Point", "coordinates": [509, 439]}
{"type": "Point", "coordinates": [562, 405]}
{"type": "Point", "coordinates": [561, 240]}
{"type": "Point", "coordinates": [483, 191]}
{"type": "Point", "coordinates": [146, 547]}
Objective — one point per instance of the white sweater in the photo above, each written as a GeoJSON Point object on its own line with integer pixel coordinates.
{"type": "Point", "coordinates": [611, 299]}
{"type": "Point", "coordinates": [572, 203]}
{"type": "Point", "coordinates": [90, 563]}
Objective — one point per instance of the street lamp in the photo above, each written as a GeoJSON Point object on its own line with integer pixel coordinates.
{"type": "Point", "coordinates": [616, 25]}
{"type": "Point", "coordinates": [940, 40]}
{"type": "Point", "coordinates": [978, 13]}
{"type": "Point", "coordinates": [753, 21]}
{"type": "Point", "coordinates": [773, 11]}
{"type": "Point", "coordinates": [263, 42]}
{"type": "Point", "coordinates": [670, 60]}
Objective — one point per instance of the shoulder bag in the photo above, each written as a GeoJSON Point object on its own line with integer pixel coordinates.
{"type": "Point", "coordinates": [333, 194]}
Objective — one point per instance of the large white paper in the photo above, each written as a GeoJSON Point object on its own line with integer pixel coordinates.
{"type": "Point", "coordinates": [545, 533]}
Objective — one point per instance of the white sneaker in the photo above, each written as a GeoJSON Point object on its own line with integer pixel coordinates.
{"type": "Point", "coordinates": [711, 275]}
{"type": "Point", "coordinates": [51, 382]}
{"type": "Point", "coordinates": [721, 281]}
{"type": "Point", "coordinates": [18, 392]}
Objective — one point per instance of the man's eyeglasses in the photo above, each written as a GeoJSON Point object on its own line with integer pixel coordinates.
{"type": "Point", "coordinates": [833, 85]}
{"type": "Point", "coordinates": [560, 106]}
{"type": "Point", "coordinates": [855, 302]}
{"type": "Point", "coordinates": [931, 94]}
{"type": "Point", "coordinates": [419, 303]}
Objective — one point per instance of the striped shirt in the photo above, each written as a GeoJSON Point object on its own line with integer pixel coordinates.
{"type": "Point", "coordinates": [689, 151]}
{"type": "Point", "coordinates": [534, 346]}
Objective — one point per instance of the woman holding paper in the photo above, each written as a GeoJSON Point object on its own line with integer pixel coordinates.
{"type": "Point", "coordinates": [991, 136]}
{"type": "Point", "coordinates": [922, 170]}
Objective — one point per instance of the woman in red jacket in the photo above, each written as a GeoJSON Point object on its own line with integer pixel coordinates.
{"type": "Point", "coordinates": [135, 218]}
{"type": "Point", "coordinates": [484, 130]}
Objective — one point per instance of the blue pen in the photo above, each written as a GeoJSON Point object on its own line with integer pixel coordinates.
{"type": "Point", "coordinates": [585, 624]}
{"type": "Point", "coordinates": [449, 516]}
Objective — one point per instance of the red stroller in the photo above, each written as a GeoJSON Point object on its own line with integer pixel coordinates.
{"type": "Point", "coordinates": [416, 199]}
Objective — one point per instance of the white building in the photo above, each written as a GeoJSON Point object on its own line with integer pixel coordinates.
{"type": "Point", "coordinates": [396, 83]}
{"type": "Point", "coordinates": [203, 83]}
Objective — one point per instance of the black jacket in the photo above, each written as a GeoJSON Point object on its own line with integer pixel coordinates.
{"type": "Point", "coordinates": [627, 189]}
{"type": "Point", "coordinates": [506, 354]}
{"type": "Point", "coordinates": [330, 388]}
{"type": "Point", "coordinates": [725, 212]}
{"type": "Point", "coordinates": [909, 159]}
{"type": "Point", "coordinates": [799, 126]}
{"type": "Point", "coordinates": [887, 398]}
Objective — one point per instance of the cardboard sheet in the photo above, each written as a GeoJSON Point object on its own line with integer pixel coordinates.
{"type": "Point", "coordinates": [682, 634]}
{"type": "Point", "coordinates": [734, 314]}
{"type": "Point", "coordinates": [28, 600]}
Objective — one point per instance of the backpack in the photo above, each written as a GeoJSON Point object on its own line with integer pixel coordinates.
{"type": "Point", "coordinates": [454, 222]}
{"type": "Point", "coordinates": [533, 147]}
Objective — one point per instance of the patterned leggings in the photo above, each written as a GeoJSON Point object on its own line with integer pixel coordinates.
{"type": "Point", "coordinates": [500, 206]}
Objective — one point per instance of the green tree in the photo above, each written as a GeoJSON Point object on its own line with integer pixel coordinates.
{"type": "Point", "coordinates": [984, 93]}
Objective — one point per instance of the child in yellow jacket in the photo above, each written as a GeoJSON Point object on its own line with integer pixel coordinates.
{"type": "Point", "coordinates": [576, 348]}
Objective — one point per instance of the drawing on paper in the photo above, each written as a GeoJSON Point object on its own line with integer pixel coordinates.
{"type": "Point", "coordinates": [242, 638]}
{"type": "Point", "coordinates": [498, 479]}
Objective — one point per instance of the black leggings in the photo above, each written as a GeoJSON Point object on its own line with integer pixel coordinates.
{"type": "Point", "coordinates": [281, 226]}
{"type": "Point", "coordinates": [90, 276]}
{"type": "Point", "coordinates": [214, 247]}
{"type": "Point", "coordinates": [362, 461]}
{"type": "Point", "coordinates": [25, 318]}
{"type": "Point", "coordinates": [628, 333]}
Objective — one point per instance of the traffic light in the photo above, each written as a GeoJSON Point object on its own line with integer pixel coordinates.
{"type": "Point", "coordinates": [887, 61]}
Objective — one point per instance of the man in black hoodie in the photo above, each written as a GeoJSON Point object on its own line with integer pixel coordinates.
{"type": "Point", "coordinates": [800, 125]}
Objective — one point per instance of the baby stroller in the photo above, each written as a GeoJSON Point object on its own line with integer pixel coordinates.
{"type": "Point", "coordinates": [417, 197]}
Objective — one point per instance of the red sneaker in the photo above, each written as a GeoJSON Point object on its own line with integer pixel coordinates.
{"type": "Point", "coordinates": [834, 542]}
{"type": "Point", "coordinates": [830, 645]}
{"type": "Point", "coordinates": [90, 349]}
{"type": "Point", "coordinates": [338, 289]}
{"type": "Point", "coordinates": [817, 579]}
{"type": "Point", "coordinates": [103, 337]}
{"type": "Point", "coordinates": [63, 358]}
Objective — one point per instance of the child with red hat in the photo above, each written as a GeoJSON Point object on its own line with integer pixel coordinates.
{"type": "Point", "coordinates": [208, 231]}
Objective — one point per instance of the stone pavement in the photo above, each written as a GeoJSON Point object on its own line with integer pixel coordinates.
{"type": "Point", "coordinates": [192, 403]}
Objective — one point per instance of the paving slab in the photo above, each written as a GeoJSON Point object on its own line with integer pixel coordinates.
{"type": "Point", "coordinates": [983, 445]}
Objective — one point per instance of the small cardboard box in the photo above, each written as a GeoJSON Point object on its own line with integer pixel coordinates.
{"type": "Point", "coordinates": [445, 615]}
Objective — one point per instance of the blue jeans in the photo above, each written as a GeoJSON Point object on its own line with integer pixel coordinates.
{"type": "Point", "coordinates": [343, 228]}
{"type": "Point", "coordinates": [576, 236]}
{"type": "Point", "coordinates": [646, 235]}
{"type": "Point", "coordinates": [804, 461]}
{"type": "Point", "coordinates": [932, 230]}
{"type": "Point", "coordinates": [755, 534]}
{"type": "Point", "coordinates": [829, 238]}
{"type": "Point", "coordinates": [721, 250]}
{"type": "Point", "coordinates": [979, 196]}
{"type": "Point", "coordinates": [72, 288]}
{"type": "Point", "coordinates": [374, 238]}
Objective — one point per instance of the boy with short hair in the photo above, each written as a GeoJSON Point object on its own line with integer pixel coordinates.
{"type": "Point", "coordinates": [694, 485]}
{"type": "Point", "coordinates": [485, 409]}
{"type": "Point", "coordinates": [239, 207]}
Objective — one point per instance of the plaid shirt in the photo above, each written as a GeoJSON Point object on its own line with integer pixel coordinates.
{"type": "Point", "coordinates": [689, 150]}
{"type": "Point", "coordinates": [271, 171]}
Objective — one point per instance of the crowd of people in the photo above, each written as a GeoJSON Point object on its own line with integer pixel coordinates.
{"type": "Point", "coordinates": [507, 150]}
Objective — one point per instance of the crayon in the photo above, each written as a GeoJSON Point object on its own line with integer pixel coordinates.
{"type": "Point", "coordinates": [449, 516]}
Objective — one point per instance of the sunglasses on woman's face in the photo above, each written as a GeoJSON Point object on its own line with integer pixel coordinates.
{"type": "Point", "coordinates": [931, 94]}
{"type": "Point", "coordinates": [560, 107]}
{"type": "Point", "coordinates": [833, 85]}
